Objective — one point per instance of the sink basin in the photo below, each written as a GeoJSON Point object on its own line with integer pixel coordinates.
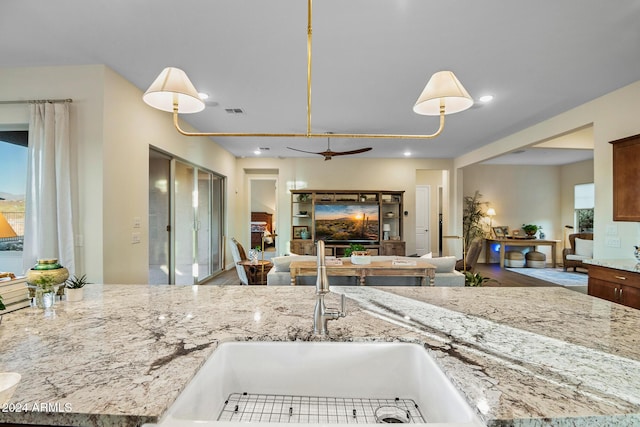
{"type": "Point", "coordinates": [280, 379]}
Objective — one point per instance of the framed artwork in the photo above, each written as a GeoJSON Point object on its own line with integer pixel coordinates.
{"type": "Point", "coordinates": [501, 232]}
{"type": "Point", "coordinates": [298, 229]}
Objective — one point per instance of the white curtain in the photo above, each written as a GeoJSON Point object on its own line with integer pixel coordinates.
{"type": "Point", "coordinates": [48, 222]}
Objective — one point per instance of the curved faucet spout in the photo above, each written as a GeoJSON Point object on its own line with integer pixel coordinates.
{"type": "Point", "coordinates": [321, 315]}
{"type": "Point", "coordinates": [322, 281]}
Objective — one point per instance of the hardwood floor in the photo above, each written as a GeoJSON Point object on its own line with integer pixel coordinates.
{"type": "Point", "coordinates": [498, 276]}
{"type": "Point", "coordinates": [505, 278]}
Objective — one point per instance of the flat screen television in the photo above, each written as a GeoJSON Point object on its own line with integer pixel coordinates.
{"type": "Point", "coordinates": [356, 223]}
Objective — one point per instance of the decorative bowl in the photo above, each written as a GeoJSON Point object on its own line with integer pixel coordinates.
{"type": "Point", "coordinates": [8, 384]}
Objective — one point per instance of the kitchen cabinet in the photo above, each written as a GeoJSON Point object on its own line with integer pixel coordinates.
{"type": "Point", "coordinates": [619, 286]}
{"type": "Point", "coordinates": [626, 179]}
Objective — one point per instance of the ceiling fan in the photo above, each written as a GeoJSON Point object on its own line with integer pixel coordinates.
{"type": "Point", "coordinates": [328, 154]}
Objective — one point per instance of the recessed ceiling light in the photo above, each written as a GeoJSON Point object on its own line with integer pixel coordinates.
{"type": "Point", "coordinates": [407, 153]}
{"type": "Point", "coordinates": [203, 95]}
{"type": "Point", "coordinates": [486, 98]}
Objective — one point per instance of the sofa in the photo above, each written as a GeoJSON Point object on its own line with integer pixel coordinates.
{"type": "Point", "coordinates": [446, 275]}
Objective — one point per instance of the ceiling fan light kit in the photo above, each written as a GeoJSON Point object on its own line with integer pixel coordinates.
{"type": "Point", "coordinates": [172, 91]}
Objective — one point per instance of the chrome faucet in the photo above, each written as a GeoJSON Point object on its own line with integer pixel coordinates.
{"type": "Point", "coordinates": [321, 315]}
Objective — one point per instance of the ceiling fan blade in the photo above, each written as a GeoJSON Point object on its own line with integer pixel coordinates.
{"type": "Point", "coordinates": [302, 151]}
{"type": "Point", "coordinates": [346, 153]}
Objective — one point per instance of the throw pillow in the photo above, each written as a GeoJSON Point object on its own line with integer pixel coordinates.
{"type": "Point", "coordinates": [281, 263]}
{"type": "Point", "coordinates": [584, 247]}
{"type": "Point", "coordinates": [444, 264]}
{"type": "Point", "coordinates": [427, 255]}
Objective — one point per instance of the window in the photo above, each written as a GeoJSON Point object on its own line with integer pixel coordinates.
{"type": "Point", "coordinates": [13, 185]}
{"type": "Point", "coordinates": [584, 202]}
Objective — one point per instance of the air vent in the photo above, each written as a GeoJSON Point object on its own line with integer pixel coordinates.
{"type": "Point", "coordinates": [234, 110]}
{"type": "Point", "coordinates": [264, 148]}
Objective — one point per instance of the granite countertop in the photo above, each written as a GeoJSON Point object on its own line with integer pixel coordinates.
{"type": "Point", "coordinates": [520, 356]}
{"type": "Point", "coordinates": [619, 264]}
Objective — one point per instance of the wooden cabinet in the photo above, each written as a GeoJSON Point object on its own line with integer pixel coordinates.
{"type": "Point", "coordinates": [381, 225]}
{"type": "Point", "coordinates": [626, 179]}
{"type": "Point", "coordinates": [620, 286]}
{"type": "Point", "coordinates": [302, 247]}
{"type": "Point", "coordinates": [392, 247]}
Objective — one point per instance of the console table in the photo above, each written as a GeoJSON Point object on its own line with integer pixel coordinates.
{"type": "Point", "coordinates": [531, 243]}
{"type": "Point", "coordinates": [421, 269]}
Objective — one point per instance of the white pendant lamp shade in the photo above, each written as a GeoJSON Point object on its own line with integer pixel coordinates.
{"type": "Point", "coordinates": [443, 88]}
{"type": "Point", "coordinates": [171, 86]}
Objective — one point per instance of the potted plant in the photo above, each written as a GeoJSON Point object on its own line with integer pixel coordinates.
{"type": "Point", "coordinates": [531, 229]}
{"type": "Point", "coordinates": [75, 287]}
{"type": "Point", "coordinates": [476, 279]}
{"type": "Point", "coordinates": [354, 247]}
{"type": "Point", "coordinates": [358, 254]}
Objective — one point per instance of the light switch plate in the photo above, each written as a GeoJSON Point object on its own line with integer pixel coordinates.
{"type": "Point", "coordinates": [612, 230]}
{"type": "Point", "coordinates": [613, 242]}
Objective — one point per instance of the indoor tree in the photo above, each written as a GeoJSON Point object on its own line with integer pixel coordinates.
{"type": "Point", "coordinates": [473, 215]}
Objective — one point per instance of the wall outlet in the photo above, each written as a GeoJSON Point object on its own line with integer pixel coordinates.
{"type": "Point", "coordinates": [135, 238]}
{"type": "Point", "coordinates": [612, 230]}
{"type": "Point", "coordinates": [613, 242]}
{"type": "Point", "coordinates": [136, 222]}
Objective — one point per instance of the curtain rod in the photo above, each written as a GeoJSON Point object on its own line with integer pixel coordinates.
{"type": "Point", "coordinates": [36, 101]}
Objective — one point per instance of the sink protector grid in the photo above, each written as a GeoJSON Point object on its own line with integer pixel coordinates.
{"type": "Point", "coordinates": [266, 408]}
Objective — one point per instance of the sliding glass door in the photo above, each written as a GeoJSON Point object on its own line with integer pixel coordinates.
{"type": "Point", "coordinates": [194, 207]}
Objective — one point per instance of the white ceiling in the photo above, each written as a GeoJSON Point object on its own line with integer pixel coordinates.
{"type": "Point", "coordinates": [371, 60]}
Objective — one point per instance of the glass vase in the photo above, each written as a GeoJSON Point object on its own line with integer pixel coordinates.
{"type": "Point", "coordinates": [45, 297]}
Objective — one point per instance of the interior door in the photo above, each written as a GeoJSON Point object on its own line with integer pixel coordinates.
{"type": "Point", "coordinates": [423, 236]}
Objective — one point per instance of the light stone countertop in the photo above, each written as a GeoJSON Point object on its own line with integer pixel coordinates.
{"type": "Point", "coordinates": [520, 356]}
{"type": "Point", "coordinates": [619, 264]}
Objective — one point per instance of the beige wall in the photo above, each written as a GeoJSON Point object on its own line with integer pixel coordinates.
{"type": "Point", "coordinates": [84, 84]}
{"type": "Point", "coordinates": [112, 130]}
{"type": "Point", "coordinates": [613, 116]}
{"type": "Point", "coordinates": [338, 174]}
{"type": "Point", "coordinates": [541, 195]}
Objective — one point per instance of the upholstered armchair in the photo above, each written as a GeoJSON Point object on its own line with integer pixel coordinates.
{"type": "Point", "coordinates": [581, 248]}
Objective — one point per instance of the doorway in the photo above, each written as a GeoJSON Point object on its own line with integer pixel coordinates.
{"type": "Point", "coordinates": [185, 221]}
{"type": "Point", "coordinates": [263, 193]}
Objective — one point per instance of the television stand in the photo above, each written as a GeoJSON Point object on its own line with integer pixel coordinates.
{"type": "Point", "coordinates": [343, 217]}
{"type": "Point", "coordinates": [386, 247]}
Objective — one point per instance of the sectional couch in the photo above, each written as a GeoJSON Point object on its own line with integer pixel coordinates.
{"type": "Point", "coordinates": [446, 275]}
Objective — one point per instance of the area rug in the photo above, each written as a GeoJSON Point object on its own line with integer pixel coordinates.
{"type": "Point", "coordinates": [554, 275]}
